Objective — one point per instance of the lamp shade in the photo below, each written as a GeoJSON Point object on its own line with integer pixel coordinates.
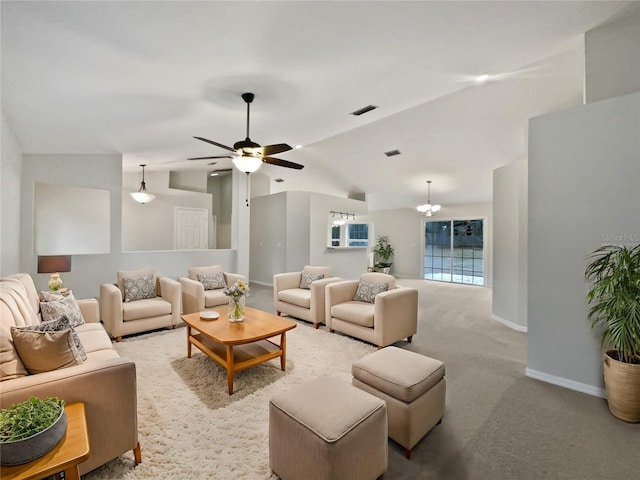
{"type": "Point", "coordinates": [247, 163]}
{"type": "Point", "coordinates": [54, 263]}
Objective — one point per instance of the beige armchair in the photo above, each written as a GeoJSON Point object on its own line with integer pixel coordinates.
{"type": "Point", "coordinates": [140, 301]}
{"type": "Point", "coordinates": [307, 302]}
{"type": "Point", "coordinates": [196, 298]}
{"type": "Point", "coordinates": [385, 318]}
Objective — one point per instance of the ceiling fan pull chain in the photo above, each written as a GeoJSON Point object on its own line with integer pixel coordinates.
{"type": "Point", "coordinates": [248, 185]}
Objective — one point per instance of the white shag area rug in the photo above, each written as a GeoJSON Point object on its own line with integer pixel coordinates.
{"type": "Point", "coordinates": [189, 427]}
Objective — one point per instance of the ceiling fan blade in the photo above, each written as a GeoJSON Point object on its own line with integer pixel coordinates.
{"type": "Point", "coordinates": [274, 149]}
{"type": "Point", "coordinates": [215, 143]}
{"type": "Point", "coordinates": [208, 158]}
{"type": "Point", "coordinates": [282, 163]}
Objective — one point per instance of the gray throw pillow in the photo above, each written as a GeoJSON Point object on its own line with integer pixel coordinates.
{"type": "Point", "coordinates": [212, 281]}
{"type": "Point", "coordinates": [367, 291]}
{"type": "Point", "coordinates": [57, 325]}
{"type": "Point", "coordinates": [139, 288]}
{"type": "Point", "coordinates": [53, 308]}
{"type": "Point", "coordinates": [309, 278]}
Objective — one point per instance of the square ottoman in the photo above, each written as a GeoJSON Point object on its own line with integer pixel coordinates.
{"type": "Point", "coordinates": [327, 429]}
{"type": "Point", "coordinates": [413, 387]}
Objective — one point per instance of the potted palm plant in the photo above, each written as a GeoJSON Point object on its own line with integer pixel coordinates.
{"type": "Point", "coordinates": [384, 251]}
{"type": "Point", "coordinates": [614, 298]}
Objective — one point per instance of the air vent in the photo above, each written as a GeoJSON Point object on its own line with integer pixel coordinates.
{"type": "Point", "coordinates": [278, 180]}
{"type": "Point", "coordinates": [391, 153]}
{"type": "Point", "coordinates": [364, 110]}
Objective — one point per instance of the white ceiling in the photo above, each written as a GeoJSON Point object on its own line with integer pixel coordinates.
{"type": "Point", "coordinates": [142, 78]}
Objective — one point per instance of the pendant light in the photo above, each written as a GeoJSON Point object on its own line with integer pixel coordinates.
{"type": "Point", "coordinates": [142, 196]}
{"type": "Point", "coordinates": [428, 209]}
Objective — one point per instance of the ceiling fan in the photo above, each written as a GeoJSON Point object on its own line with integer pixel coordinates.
{"type": "Point", "coordinates": [248, 156]}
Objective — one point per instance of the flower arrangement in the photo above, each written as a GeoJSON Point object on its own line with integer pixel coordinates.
{"type": "Point", "coordinates": [236, 294]}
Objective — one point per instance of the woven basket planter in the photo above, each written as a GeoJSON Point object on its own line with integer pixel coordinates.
{"type": "Point", "coordinates": [622, 382]}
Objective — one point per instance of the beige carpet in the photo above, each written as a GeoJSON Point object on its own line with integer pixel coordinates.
{"type": "Point", "coordinates": [191, 428]}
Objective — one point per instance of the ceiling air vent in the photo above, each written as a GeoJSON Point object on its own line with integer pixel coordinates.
{"type": "Point", "coordinates": [364, 110]}
{"type": "Point", "coordinates": [278, 180]}
{"type": "Point", "coordinates": [391, 153]}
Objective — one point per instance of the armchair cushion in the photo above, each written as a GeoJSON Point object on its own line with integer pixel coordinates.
{"type": "Point", "coordinates": [367, 291]}
{"type": "Point", "coordinates": [296, 296]}
{"type": "Point", "coordinates": [57, 325]}
{"type": "Point", "coordinates": [212, 281]}
{"type": "Point", "coordinates": [215, 298]}
{"type": "Point", "coordinates": [145, 308]}
{"type": "Point", "coordinates": [54, 306]}
{"type": "Point", "coordinates": [308, 278]}
{"type": "Point", "coordinates": [358, 313]}
{"type": "Point", "coordinates": [139, 288]}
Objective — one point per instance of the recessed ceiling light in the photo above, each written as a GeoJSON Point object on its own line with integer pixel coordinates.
{"type": "Point", "coordinates": [213, 174]}
{"type": "Point", "coordinates": [391, 153]}
{"type": "Point", "coordinates": [482, 78]}
{"type": "Point", "coordinates": [298, 146]}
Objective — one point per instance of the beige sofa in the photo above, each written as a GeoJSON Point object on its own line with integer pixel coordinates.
{"type": "Point", "coordinates": [304, 303]}
{"type": "Point", "coordinates": [194, 296]}
{"type": "Point", "coordinates": [125, 318]}
{"type": "Point", "coordinates": [105, 382]}
{"type": "Point", "coordinates": [392, 316]}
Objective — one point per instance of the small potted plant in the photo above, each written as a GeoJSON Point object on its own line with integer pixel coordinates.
{"type": "Point", "coordinates": [384, 251]}
{"type": "Point", "coordinates": [614, 299]}
{"type": "Point", "coordinates": [30, 429]}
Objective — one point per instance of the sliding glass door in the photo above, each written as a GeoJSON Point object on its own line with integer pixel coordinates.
{"type": "Point", "coordinates": [454, 251]}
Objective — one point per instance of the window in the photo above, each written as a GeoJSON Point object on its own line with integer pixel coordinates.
{"type": "Point", "coordinates": [454, 251]}
{"type": "Point", "coordinates": [358, 235]}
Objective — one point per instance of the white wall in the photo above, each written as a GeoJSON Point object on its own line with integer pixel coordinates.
{"type": "Point", "coordinates": [584, 173]}
{"type": "Point", "coordinates": [510, 244]}
{"type": "Point", "coordinates": [612, 65]}
{"type": "Point", "coordinates": [10, 167]}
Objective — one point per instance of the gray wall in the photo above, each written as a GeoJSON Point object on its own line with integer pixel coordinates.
{"type": "Point", "coordinates": [10, 168]}
{"type": "Point", "coordinates": [509, 304]}
{"type": "Point", "coordinates": [584, 173]}
{"type": "Point", "coordinates": [612, 65]}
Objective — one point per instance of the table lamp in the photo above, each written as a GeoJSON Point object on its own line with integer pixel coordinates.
{"type": "Point", "coordinates": [54, 264]}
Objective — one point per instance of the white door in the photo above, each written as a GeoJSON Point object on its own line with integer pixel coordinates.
{"type": "Point", "coordinates": [190, 228]}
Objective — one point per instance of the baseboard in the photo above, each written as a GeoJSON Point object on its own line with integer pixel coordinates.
{"type": "Point", "coordinates": [566, 383]}
{"type": "Point", "coordinates": [513, 326]}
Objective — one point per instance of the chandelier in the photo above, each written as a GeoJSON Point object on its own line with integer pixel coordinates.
{"type": "Point", "coordinates": [142, 196]}
{"type": "Point", "coordinates": [428, 209]}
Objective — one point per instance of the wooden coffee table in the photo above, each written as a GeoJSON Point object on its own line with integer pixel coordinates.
{"type": "Point", "coordinates": [237, 346]}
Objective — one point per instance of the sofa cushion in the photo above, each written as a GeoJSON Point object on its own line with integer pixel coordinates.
{"type": "Point", "coordinates": [93, 337]}
{"type": "Point", "coordinates": [296, 296]}
{"type": "Point", "coordinates": [215, 298]}
{"type": "Point", "coordinates": [59, 306]}
{"type": "Point", "coordinates": [210, 270]}
{"type": "Point", "coordinates": [213, 281]}
{"type": "Point", "coordinates": [308, 278]}
{"type": "Point", "coordinates": [367, 291]}
{"type": "Point", "coordinates": [358, 313]}
{"type": "Point", "coordinates": [139, 288]}
{"type": "Point", "coordinates": [43, 351]}
{"type": "Point", "coordinates": [150, 307]}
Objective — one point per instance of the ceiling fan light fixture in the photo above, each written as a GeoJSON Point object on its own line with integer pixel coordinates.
{"type": "Point", "coordinates": [247, 163]}
{"type": "Point", "coordinates": [142, 196]}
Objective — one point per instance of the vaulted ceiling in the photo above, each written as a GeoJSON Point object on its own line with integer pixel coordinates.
{"type": "Point", "coordinates": [142, 78]}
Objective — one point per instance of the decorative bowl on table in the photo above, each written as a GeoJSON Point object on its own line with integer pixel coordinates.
{"type": "Point", "coordinates": [209, 315]}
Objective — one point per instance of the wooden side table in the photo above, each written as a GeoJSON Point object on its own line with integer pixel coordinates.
{"type": "Point", "coordinates": [72, 450]}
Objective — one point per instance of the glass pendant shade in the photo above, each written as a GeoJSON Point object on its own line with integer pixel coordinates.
{"type": "Point", "coordinates": [142, 196]}
{"type": "Point", "coordinates": [428, 209]}
{"type": "Point", "coordinates": [247, 163]}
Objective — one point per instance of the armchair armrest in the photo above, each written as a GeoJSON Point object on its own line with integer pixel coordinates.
{"type": "Point", "coordinates": [318, 294]}
{"type": "Point", "coordinates": [231, 278]}
{"type": "Point", "coordinates": [90, 310]}
{"type": "Point", "coordinates": [170, 291]}
{"type": "Point", "coordinates": [111, 309]}
{"type": "Point", "coordinates": [192, 295]}
{"type": "Point", "coordinates": [285, 281]}
{"type": "Point", "coordinates": [395, 315]}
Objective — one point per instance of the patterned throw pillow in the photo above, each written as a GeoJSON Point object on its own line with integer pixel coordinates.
{"type": "Point", "coordinates": [367, 292]}
{"type": "Point", "coordinates": [53, 307]}
{"type": "Point", "coordinates": [57, 325]}
{"type": "Point", "coordinates": [213, 281]}
{"type": "Point", "coordinates": [139, 288]}
{"type": "Point", "coordinates": [308, 278]}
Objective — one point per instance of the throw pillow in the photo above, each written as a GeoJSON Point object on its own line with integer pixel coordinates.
{"type": "Point", "coordinates": [309, 278]}
{"type": "Point", "coordinates": [59, 306]}
{"type": "Point", "coordinates": [212, 281]}
{"type": "Point", "coordinates": [367, 291]}
{"type": "Point", "coordinates": [139, 288]}
{"type": "Point", "coordinates": [45, 351]}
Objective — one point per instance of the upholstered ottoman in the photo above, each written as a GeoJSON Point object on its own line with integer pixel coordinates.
{"type": "Point", "coordinates": [327, 429]}
{"type": "Point", "coordinates": [412, 385]}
